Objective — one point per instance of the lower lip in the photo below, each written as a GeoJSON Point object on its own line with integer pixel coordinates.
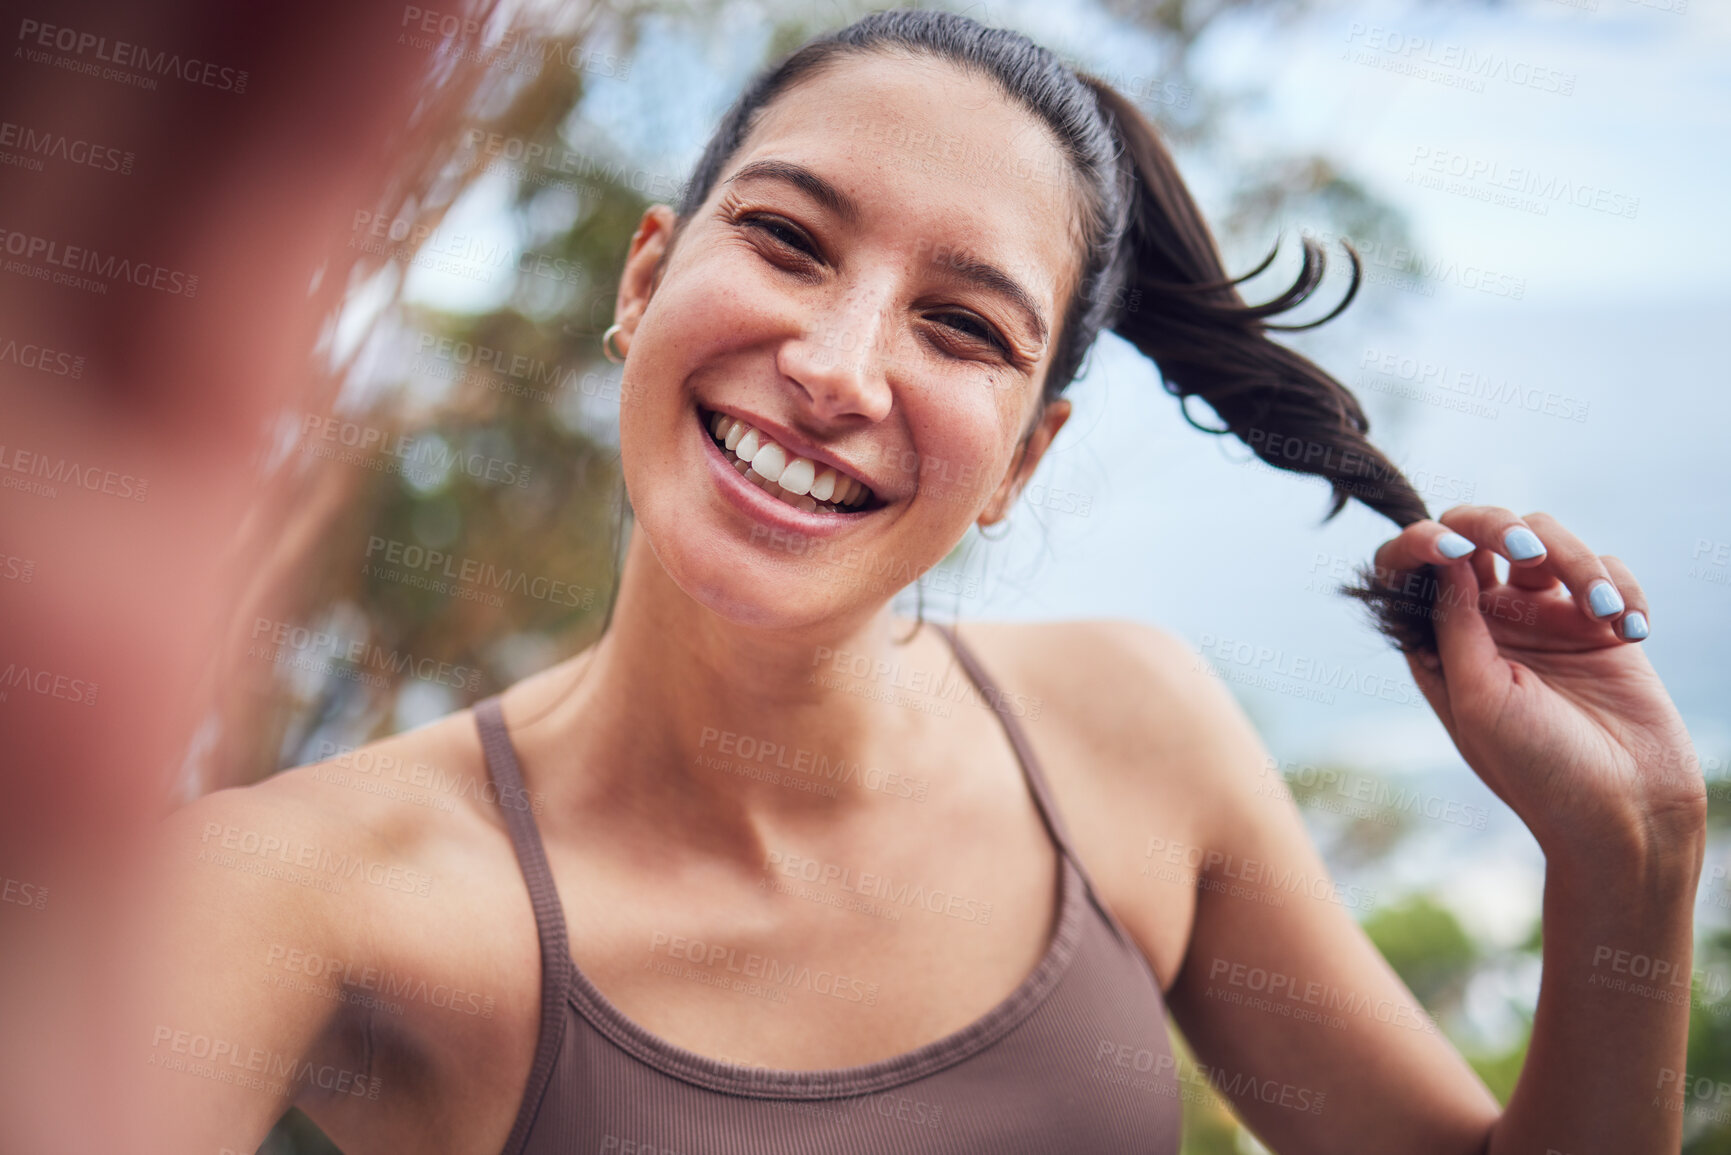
{"type": "Point", "coordinates": [772, 511]}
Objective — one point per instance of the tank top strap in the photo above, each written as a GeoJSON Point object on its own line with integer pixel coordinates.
{"type": "Point", "coordinates": [506, 774]}
{"type": "Point", "coordinates": [1025, 755]}
{"type": "Point", "coordinates": [1042, 793]}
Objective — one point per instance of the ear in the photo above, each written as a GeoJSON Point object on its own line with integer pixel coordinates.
{"type": "Point", "coordinates": [649, 245]}
{"type": "Point", "coordinates": [1033, 449]}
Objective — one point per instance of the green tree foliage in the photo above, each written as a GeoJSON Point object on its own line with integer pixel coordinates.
{"type": "Point", "coordinates": [1427, 948]}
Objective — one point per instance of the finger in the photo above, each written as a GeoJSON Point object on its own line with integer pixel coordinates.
{"type": "Point", "coordinates": [1568, 560]}
{"type": "Point", "coordinates": [1545, 573]}
{"type": "Point", "coordinates": [1472, 664]}
{"type": "Point", "coordinates": [1427, 672]}
{"type": "Point", "coordinates": [1633, 625]}
{"type": "Point", "coordinates": [1484, 568]}
{"type": "Point", "coordinates": [1424, 542]}
{"type": "Point", "coordinates": [1494, 528]}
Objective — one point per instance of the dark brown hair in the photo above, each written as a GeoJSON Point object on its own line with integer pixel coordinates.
{"type": "Point", "coordinates": [1150, 271]}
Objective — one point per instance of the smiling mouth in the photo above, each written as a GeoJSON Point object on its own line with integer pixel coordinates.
{"type": "Point", "coordinates": [798, 481]}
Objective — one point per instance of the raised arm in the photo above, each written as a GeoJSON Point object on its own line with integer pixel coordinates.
{"type": "Point", "coordinates": [228, 1039]}
{"type": "Point", "coordinates": [1294, 1014]}
{"type": "Point", "coordinates": [1561, 714]}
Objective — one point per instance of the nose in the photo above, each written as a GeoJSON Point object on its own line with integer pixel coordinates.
{"type": "Point", "coordinates": [839, 361]}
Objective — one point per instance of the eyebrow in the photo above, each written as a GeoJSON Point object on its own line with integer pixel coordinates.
{"type": "Point", "coordinates": [970, 269]}
{"type": "Point", "coordinates": [798, 175]}
{"type": "Point", "coordinates": [994, 280]}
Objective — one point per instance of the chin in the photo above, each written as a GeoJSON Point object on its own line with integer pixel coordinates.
{"type": "Point", "coordinates": [751, 558]}
{"type": "Point", "coordinates": [752, 594]}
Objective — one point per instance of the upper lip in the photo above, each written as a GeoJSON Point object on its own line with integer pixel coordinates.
{"type": "Point", "coordinates": [800, 447]}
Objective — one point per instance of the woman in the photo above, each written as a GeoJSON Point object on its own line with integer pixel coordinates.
{"type": "Point", "coordinates": [752, 875]}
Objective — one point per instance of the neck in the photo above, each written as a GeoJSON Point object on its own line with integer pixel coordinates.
{"type": "Point", "coordinates": [728, 732]}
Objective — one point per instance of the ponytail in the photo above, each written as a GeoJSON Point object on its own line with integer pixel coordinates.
{"type": "Point", "coordinates": [1183, 312]}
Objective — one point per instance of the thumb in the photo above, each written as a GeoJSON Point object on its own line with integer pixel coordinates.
{"type": "Point", "coordinates": [1471, 662]}
{"type": "Point", "coordinates": [1427, 672]}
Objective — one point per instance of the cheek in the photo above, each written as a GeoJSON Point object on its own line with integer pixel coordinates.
{"type": "Point", "coordinates": [686, 326]}
{"type": "Point", "coordinates": [958, 456]}
{"type": "Point", "coordinates": [720, 296]}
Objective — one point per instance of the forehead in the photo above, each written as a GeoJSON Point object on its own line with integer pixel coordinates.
{"type": "Point", "coordinates": [936, 154]}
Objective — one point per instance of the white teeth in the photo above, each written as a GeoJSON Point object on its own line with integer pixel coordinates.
{"type": "Point", "coordinates": [747, 447]}
{"type": "Point", "coordinates": [799, 481]}
{"type": "Point", "coordinates": [769, 460]}
{"type": "Point", "coordinates": [798, 476]}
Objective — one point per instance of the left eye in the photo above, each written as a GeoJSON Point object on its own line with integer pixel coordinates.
{"type": "Point", "coordinates": [781, 232]}
{"type": "Point", "coordinates": [970, 326]}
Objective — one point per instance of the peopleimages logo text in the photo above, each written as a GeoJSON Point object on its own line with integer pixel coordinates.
{"type": "Point", "coordinates": [36, 144]}
{"type": "Point", "coordinates": [424, 455]}
{"type": "Point", "coordinates": [90, 46]}
{"type": "Point", "coordinates": [109, 267]}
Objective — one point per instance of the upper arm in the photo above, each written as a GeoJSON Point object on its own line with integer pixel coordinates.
{"type": "Point", "coordinates": [232, 1039]}
{"type": "Point", "coordinates": [1297, 1016]}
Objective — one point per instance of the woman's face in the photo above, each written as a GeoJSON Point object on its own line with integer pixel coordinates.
{"type": "Point", "coordinates": [873, 288]}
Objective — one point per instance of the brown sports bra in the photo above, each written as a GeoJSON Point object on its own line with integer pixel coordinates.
{"type": "Point", "coordinates": [1074, 1059]}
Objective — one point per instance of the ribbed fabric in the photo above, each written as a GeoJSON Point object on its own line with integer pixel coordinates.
{"type": "Point", "coordinates": [1074, 1059]}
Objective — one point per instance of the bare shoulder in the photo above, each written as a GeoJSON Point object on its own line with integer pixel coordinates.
{"type": "Point", "coordinates": [397, 795]}
{"type": "Point", "coordinates": [1139, 695]}
{"type": "Point", "coordinates": [380, 835]}
{"type": "Point", "coordinates": [1147, 753]}
{"type": "Point", "coordinates": [367, 909]}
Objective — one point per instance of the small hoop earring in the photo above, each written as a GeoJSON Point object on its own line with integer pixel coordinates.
{"type": "Point", "coordinates": [1005, 523]}
{"type": "Point", "coordinates": [608, 342]}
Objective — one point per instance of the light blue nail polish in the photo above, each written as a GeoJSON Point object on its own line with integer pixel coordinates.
{"type": "Point", "coordinates": [1604, 600]}
{"type": "Point", "coordinates": [1635, 625]}
{"type": "Point", "coordinates": [1453, 545]}
{"type": "Point", "coordinates": [1523, 544]}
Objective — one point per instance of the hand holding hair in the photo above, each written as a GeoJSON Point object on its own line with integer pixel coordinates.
{"type": "Point", "coordinates": [1538, 681]}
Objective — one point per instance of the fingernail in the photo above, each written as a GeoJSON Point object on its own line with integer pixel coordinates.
{"type": "Point", "coordinates": [1635, 625]}
{"type": "Point", "coordinates": [1604, 600]}
{"type": "Point", "coordinates": [1453, 545]}
{"type": "Point", "coordinates": [1523, 544]}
